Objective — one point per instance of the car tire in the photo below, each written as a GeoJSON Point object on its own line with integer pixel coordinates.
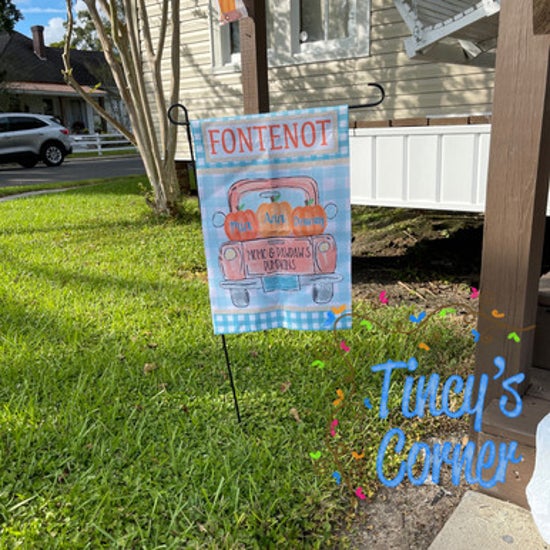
{"type": "Point", "coordinates": [28, 161]}
{"type": "Point", "coordinates": [52, 153]}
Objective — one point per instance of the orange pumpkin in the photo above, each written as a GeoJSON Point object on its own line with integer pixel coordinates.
{"type": "Point", "coordinates": [274, 218]}
{"type": "Point", "coordinates": [241, 225]}
{"type": "Point", "coordinates": [310, 219]}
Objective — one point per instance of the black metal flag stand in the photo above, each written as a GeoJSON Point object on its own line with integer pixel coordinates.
{"type": "Point", "coordinates": [187, 124]}
{"type": "Point", "coordinates": [174, 120]}
{"type": "Point", "coordinates": [227, 362]}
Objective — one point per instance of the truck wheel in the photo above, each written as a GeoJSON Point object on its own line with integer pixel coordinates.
{"type": "Point", "coordinates": [240, 297]}
{"type": "Point", "coordinates": [323, 293]}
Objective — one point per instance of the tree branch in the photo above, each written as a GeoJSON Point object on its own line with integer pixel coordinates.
{"type": "Point", "coordinates": [86, 96]}
{"type": "Point", "coordinates": [136, 66]}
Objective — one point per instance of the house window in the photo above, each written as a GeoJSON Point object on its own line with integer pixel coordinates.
{"type": "Point", "coordinates": [47, 106]}
{"type": "Point", "coordinates": [302, 31]}
{"type": "Point", "coordinates": [234, 38]}
{"type": "Point", "coordinates": [323, 20]}
{"type": "Point", "coordinates": [226, 44]}
{"type": "Point", "coordinates": [322, 30]}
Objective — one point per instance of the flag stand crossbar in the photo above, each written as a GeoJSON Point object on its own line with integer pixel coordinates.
{"type": "Point", "coordinates": [173, 118]}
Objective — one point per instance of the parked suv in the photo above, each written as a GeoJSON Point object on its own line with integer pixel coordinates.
{"type": "Point", "coordinates": [28, 138]}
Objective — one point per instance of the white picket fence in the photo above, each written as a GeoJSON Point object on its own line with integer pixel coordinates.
{"type": "Point", "coordinates": [100, 143]}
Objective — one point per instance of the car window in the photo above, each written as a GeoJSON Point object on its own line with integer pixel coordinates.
{"type": "Point", "coordinates": [55, 120]}
{"type": "Point", "coordinates": [20, 123]}
{"type": "Point", "coordinates": [4, 126]}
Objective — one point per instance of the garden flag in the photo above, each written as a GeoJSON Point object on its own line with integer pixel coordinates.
{"type": "Point", "coordinates": [275, 206]}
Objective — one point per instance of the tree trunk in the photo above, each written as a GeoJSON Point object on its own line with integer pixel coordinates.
{"type": "Point", "coordinates": [131, 52]}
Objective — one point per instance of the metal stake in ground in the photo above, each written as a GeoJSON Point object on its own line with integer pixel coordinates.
{"type": "Point", "coordinates": [231, 378]}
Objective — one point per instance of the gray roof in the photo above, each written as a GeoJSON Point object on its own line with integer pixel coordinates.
{"type": "Point", "coordinates": [19, 63]}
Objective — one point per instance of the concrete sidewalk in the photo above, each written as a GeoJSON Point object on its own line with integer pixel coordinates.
{"type": "Point", "coordinates": [486, 523]}
{"type": "Point", "coordinates": [45, 192]}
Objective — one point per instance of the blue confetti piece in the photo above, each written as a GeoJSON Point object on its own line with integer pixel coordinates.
{"type": "Point", "coordinates": [418, 319]}
{"type": "Point", "coordinates": [330, 319]}
{"type": "Point", "coordinates": [367, 403]}
{"type": "Point", "coordinates": [476, 335]}
{"type": "Point", "coordinates": [337, 477]}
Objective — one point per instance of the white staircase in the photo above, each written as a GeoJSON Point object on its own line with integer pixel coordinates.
{"type": "Point", "coordinates": [456, 31]}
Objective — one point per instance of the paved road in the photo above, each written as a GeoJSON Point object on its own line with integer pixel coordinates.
{"type": "Point", "coordinates": [71, 170]}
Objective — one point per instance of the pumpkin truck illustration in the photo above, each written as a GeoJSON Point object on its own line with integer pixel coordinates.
{"type": "Point", "coordinates": [277, 240]}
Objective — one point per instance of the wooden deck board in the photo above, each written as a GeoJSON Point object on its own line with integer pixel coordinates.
{"type": "Point", "coordinates": [522, 428]}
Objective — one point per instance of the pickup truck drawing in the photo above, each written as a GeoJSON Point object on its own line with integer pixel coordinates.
{"type": "Point", "coordinates": [277, 240]}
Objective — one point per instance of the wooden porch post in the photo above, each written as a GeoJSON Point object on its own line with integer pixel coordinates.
{"type": "Point", "coordinates": [254, 58]}
{"type": "Point", "coordinates": [517, 192]}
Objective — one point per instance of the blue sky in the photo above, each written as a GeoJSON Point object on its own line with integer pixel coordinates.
{"type": "Point", "coordinates": [49, 13]}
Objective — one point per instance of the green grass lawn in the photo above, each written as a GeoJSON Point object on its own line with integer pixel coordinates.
{"type": "Point", "coordinates": [117, 426]}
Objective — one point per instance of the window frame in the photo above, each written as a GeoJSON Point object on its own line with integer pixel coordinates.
{"type": "Point", "coordinates": [357, 44]}
{"type": "Point", "coordinates": [220, 42]}
{"type": "Point", "coordinates": [289, 50]}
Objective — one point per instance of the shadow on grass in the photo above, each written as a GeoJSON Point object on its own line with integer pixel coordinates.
{"type": "Point", "coordinates": [79, 228]}
{"type": "Point", "coordinates": [190, 215]}
{"type": "Point", "coordinates": [118, 186]}
{"type": "Point", "coordinates": [189, 211]}
{"type": "Point", "coordinates": [78, 280]}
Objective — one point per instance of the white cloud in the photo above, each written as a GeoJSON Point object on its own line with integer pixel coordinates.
{"type": "Point", "coordinates": [42, 10]}
{"type": "Point", "coordinates": [54, 31]}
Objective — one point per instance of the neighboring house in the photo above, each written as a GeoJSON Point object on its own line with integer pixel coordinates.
{"type": "Point", "coordinates": [31, 81]}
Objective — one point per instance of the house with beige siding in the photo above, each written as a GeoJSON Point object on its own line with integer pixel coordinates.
{"type": "Point", "coordinates": [434, 58]}
{"type": "Point", "coordinates": [325, 52]}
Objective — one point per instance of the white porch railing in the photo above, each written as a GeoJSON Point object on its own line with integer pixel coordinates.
{"type": "Point", "coordinates": [100, 143]}
{"type": "Point", "coordinates": [433, 167]}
